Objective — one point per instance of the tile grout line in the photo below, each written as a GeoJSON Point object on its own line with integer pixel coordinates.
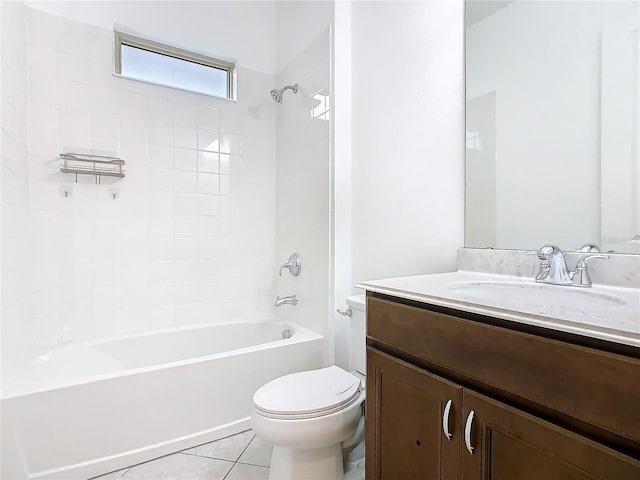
{"type": "Point", "coordinates": [253, 464]}
{"type": "Point", "coordinates": [236, 462]}
{"type": "Point", "coordinates": [203, 456]}
{"type": "Point", "coordinates": [206, 456]}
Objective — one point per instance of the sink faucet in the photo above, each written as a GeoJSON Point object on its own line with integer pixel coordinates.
{"type": "Point", "coordinates": [554, 270]}
{"type": "Point", "coordinates": [288, 300]}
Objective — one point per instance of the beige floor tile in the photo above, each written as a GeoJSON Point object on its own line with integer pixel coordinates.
{"type": "Point", "coordinates": [228, 448]}
{"type": "Point", "coordinates": [180, 467]}
{"type": "Point", "coordinates": [112, 476]}
{"type": "Point", "coordinates": [241, 471]}
{"type": "Point", "coordinates": [257, 453]}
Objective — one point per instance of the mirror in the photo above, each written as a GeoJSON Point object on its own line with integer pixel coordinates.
{"type": "Point", "coordinates": [552, 125]}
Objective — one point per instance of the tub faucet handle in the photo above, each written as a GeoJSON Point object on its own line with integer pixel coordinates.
{"type": "Point", "coordinates": [294, 265]}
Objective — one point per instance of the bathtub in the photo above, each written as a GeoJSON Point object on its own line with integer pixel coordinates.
{"type": "Point", "coordinates": [88, 408]}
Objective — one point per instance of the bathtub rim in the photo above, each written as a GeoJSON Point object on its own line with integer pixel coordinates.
{"type": "Point", "coordinates": [10, 393]}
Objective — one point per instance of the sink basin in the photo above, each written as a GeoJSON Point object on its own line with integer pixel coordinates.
{"type": "Point", "coordinates": [537, 295]}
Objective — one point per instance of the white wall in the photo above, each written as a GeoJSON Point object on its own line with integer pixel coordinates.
{"type": "Point", "coordinates": [341, 198]}
{"type": "Point", "coordinates": [16, 323]}
{"type": "Point", "coordinates": [300, 23]}
{"type": "Point", "coordinates": [303, 192]}
{"type": "Point", "coordinates": [242, 31]}
{"type": "Point", "coordinates": [194, 228]}
{"type": "Point", "coordinates": [407, 137]}
{"type": "Point", "coordinates": [260, 35]}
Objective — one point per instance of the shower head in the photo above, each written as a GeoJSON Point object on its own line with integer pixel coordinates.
{"type": "Point", "coordinates": [276, 94]}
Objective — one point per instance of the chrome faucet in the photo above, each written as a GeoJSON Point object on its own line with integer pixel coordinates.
{"type": "Point", "coordinates": [553, 266]}
{"type": "Point", "coordinates": [554, 270]}
{"type": "Point", "coordinates": [288, 300]}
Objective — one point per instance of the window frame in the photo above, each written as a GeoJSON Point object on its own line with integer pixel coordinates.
{"type": "Point", "coordinates": [126, 39]}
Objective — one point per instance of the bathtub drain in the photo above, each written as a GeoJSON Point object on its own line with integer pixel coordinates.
{"type": "Point", "coordinates": [286, 333]}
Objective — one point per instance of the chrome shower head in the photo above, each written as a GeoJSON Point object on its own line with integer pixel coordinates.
{"type": "Point", "coordinates": [276, 94]}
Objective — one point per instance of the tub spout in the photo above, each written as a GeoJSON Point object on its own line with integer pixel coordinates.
{"type": "Point", "coordinates": [288, 300]}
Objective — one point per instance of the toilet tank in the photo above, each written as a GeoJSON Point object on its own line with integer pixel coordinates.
{"type": "Point", "coordinates": [358, 333]}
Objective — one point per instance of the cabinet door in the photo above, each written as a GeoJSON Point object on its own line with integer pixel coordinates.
{"type": "Point", "coordinates": [510, 444]}
{"type": "Point", "coordinates": [406, 422]}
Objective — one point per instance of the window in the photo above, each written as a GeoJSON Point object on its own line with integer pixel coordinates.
{"type": "Point", "coordinates": [149, 61]}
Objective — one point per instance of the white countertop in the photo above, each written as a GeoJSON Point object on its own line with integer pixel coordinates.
{"type": "Point", "coordinates": [618, 323]}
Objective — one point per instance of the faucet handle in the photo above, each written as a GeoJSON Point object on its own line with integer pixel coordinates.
{"type": "Point", "coordinates": [294, 265]}
{"type": "Point", "coordinates": [589, 248]}
{"type": "Point", "coordinates": [583, 261]}
{"type": "Point", "coordinates": [582, 270]}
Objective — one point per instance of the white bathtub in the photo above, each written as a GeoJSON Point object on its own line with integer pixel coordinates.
{"type": "Point", "coordinates": [89, 408]}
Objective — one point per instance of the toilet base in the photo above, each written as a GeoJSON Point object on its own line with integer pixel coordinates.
{"type": "Point", "coordinates": [354, 463]}
{"type": "Point", "coordinates": [316, 464]}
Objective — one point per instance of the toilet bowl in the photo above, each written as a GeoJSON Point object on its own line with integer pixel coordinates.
{"type": "Point", "coordinates": [307, 416]}
{"type": "Point", "coordinates": [314, 418]}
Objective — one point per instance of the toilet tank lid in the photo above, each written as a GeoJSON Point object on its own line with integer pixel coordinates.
{"type": "Point", "coordinates": [358, 302]}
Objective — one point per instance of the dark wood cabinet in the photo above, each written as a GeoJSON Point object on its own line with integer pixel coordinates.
{"type": "Point", "coordinates": [525, 419]}
{"type": "Point", "coordinates": [413, 422]}
{"type": "Point", "coordinates": [509, 444]}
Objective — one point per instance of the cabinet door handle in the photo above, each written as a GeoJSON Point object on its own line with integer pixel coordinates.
{"type": "Point", "coordinates": [467, 432]}
{"type": "Point", "coordinates": [445, 420]}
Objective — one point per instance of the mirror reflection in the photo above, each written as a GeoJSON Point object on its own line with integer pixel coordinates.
{"type": "Point", "coordinates": [552, 129]}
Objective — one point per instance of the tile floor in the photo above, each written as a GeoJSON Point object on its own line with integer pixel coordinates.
{"type": "Point", "coordinates": [238, 457]}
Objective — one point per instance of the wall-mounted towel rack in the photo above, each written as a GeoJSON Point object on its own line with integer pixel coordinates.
{"type": "Point", "coordinates": [97, 165]}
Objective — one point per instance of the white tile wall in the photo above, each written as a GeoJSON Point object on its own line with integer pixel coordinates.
{"type": "Point", "coordinates": [15, 327]}
{"type": "Point", "coordinates": [187, 237]}
{"type": "Point", "coordinates": [303, 196]}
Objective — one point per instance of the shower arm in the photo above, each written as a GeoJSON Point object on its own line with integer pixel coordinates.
{"type": "Point", "coordinates": [276, 94]}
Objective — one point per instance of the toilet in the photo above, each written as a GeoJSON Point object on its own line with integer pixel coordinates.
{"type": "Point", "coordinates": [315, 418]}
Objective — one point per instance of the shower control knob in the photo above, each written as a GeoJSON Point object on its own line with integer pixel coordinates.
{"type": "Point", "coordinates": [294, 265]}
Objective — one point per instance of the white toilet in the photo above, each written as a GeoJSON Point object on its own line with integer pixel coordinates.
{"type": "Point", "coordinates": [313, 418]}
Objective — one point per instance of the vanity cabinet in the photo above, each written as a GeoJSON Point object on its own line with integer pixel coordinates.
{"type": "Point", "coordinates": [409, 404]}
{"type": "Point", "coordinates": [543, 407]}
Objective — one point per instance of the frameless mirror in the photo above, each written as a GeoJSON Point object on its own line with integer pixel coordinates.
{"type": "Point", "coordinates": [552, 125]}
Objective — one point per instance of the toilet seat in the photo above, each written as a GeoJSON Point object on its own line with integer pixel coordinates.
{"type": "Point", "coordinates": [309, 394]}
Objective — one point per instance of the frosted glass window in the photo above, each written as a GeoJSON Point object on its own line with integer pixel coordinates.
{"type": "Point", "coordinates": [149, 61]}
